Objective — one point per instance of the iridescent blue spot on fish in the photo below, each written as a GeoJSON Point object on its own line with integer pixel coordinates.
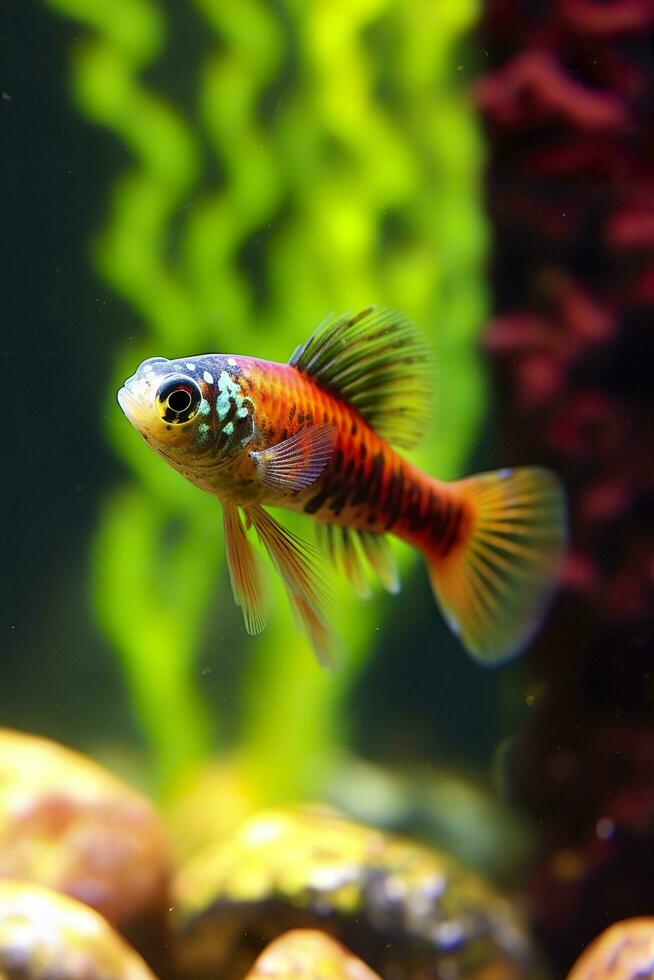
{"type": "Point", "coordinates": [227, 390]}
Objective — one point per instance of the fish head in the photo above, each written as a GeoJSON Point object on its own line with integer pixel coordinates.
{"type": "Point", "coordinates": [192, 412]}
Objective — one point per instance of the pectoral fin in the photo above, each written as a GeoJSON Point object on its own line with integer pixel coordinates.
{"type": "Point", "coordinates": [296, 463]}
{"type": "Point", "coordinates": [301, 569]}
{"type": "Point", "coordinates": [244, 571]}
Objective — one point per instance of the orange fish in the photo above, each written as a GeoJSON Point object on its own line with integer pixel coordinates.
{"type": "Point", "coordinates": [316, 436]}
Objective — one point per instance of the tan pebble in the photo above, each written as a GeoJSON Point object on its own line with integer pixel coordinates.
{"type": "Point", "coordinates": [306, 954]}
{"type": "Point", "coordinates": [68, 824]}
{"type": "Point", "coordinates": [624, 951]}
{"type": "Point", "coordinates": [45, 935]}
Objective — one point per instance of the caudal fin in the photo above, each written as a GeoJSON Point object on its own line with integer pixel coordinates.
{"type": "Point", "coordinates": [495, 584]}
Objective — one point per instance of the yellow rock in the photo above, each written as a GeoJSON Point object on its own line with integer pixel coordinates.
{"type": "Point", "coordinates": [624, 951]}
{"type": "Point", "coordinates": [47, 936]}
{"type": "Point", "coordinates": [407, 910]}
{"type": "Point", "coordinates": [306, 954]}
{"type": "Point", "coordinates": [67, 824]}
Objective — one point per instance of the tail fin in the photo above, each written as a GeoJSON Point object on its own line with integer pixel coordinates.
{"type": "Point", "coordinates": [494, 585]}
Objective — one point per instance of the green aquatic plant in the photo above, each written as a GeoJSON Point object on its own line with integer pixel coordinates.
{"type": "Point", "coordinates": [330, 160]}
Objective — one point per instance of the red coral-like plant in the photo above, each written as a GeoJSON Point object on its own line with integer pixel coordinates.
{"type": "Point", "coordinates": [568, 104]}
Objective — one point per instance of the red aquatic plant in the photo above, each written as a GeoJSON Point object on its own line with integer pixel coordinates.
{"type": "Point", "coordinates": [568, 104]}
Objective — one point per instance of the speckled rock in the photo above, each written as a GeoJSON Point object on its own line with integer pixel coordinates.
{"type": "Point", "coordinates": [47, 936]}
{"type": "Point", "coordinates": [406, 910]}
{"type": "Point", "coordinates": [67, 824]}
{"type": "Point", "coordinates": [624, 951]}
{"type": "Point", "coordinates": [306, 954]}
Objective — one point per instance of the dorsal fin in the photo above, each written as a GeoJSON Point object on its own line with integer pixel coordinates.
{"type": "Point", "coordinates": [378, 363]}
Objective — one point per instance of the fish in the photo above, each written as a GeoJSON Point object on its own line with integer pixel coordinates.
{"type": "Point", "coordinates": [321, 436]}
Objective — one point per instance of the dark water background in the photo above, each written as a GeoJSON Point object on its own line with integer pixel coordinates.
{"type": "Point", "coordinates": [59, 326]}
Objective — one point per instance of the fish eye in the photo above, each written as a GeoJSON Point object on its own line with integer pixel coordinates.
{"type": "Point", "coordinates": [178, 399]}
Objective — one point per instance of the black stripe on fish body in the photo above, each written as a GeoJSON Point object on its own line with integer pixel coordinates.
{"type": "Point", "coordinates": [357, 477]}
{"type": "Point", "coordinates": [367, 491]}
{"type": "Point", "coordinates": [359, 490]}
{"type": "Point", "coordinates": [394, 498]}
{"type": "Point", "coordinates": [377, 472]}
{"type": "Point", "coordinates": [445, 518]}
{"type": "Point", "coordinates": [355, 487]}
{"type": "Point", "coordinates": [440, 510]}
{"type": "Point", "coordinates": [335, 489]}
{"type": "Point", "coordinates": [339, 502]}
{"type": "Point", "coordinates": [320, 499]}
{"type": "Point", "coordinates": [358, 482]}
{"type": "Point", "coordinates": [452, 530]}
{"type": "Point", "coordinates": [340, 487]}
{"type": "Point", "coordinates": [412, 511]}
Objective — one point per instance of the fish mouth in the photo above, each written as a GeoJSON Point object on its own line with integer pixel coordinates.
{"type": "Point", "coordinates": [133, 409]}
{"type": "Point", "coordinates": [127, 402]}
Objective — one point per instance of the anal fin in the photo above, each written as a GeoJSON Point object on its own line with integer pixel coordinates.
{"type": "Point", "coordinates": [341, 546]}
{"type": "Point", "coordinates": [378, 552]}
{"type": "Point", "coordinates": [346, 548]}
{"type": "Point", "coordinates": [300, 567]}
